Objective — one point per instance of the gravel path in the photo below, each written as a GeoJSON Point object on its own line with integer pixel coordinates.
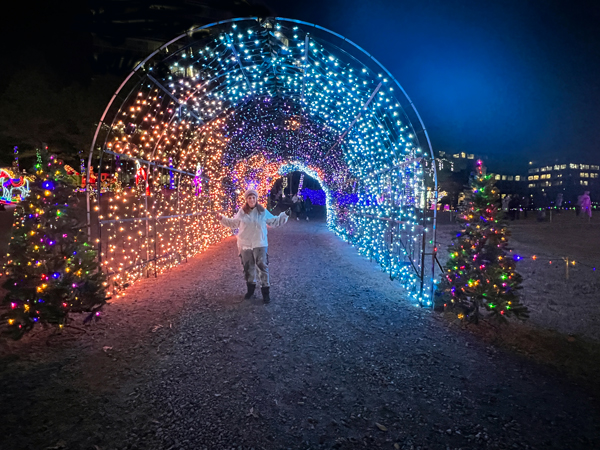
{"type": "Point", "coordinates": [337, 360]}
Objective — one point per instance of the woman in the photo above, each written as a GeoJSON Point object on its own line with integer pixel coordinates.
{"type": "Point", "coordinates": [297, 201]}
{"type": "Point", "coordinates": [586, 204]}
{"type": "Point", "coordinates": [252, 220]}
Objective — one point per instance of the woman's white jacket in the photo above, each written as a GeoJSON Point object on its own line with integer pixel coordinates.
{"type": "Point", "coordinates": [253, 227]}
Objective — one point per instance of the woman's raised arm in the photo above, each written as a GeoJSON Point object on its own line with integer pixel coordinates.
{"type": "Point", "coordinates": [231, 223]}
{"type": "Point", "coordinates": [276, 221]}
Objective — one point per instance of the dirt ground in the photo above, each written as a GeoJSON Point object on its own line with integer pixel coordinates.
{"type": "Point", "coordinates": [338, 360]}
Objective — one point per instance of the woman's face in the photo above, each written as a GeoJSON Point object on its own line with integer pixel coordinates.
{"type": "Point", "coordinates": [251, 200]}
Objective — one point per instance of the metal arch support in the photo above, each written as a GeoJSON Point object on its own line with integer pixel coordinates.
{"type": "Point", "coordinates": [258, 20]}
{"type": "Point", "coordinates": [91, 154]}
{"type": "Point", "coordinates": [358, 116]}
{"type": "Point", "coordinates": [402, 165]}
{"type": "Point", "coordinates": [306, 44]}
{"type": "Point", "coordinates": [237, 57]}
{"type": "Point", "coordinates": [422, 132]}
{"type": "Point", "coordinates": [175, 99]}
{"type": "Point", "coordinates": [114, 96]}
{"type": "Point", "coordinates": [410, 102]}
{"type": "Point", "coordinates": [301, 22]}
{"type": "Point", "coordinates": [150, 163]}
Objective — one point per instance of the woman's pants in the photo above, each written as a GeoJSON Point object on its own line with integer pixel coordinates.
{"type": "Point", "coordinates": [256, 260]}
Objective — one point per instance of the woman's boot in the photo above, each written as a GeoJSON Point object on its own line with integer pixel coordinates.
{"type": "Point", "coordinates": [250, 293]}
{"type": "Point", "coordinates": [265, 294]}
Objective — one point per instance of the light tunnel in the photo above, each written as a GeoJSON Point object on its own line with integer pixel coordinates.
{"type": "Point", "coordinates": [240, 103]}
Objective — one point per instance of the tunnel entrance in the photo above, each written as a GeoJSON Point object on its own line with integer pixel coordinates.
{"type": "Point", "coordinates": [236, 104]}
{"type": "Point", "coordinates": [308, 191]}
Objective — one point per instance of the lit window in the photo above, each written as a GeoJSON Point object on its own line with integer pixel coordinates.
{"type": "Point", "coordinates": [595, 167]}
{"type": "Point", "coordinates": [463, 155]}
{"type": "Point", "coordinates": [470, 156]}
{"type": "Point", "coordinates": [583, 182]}
{"type": "Point", "coordinates": [536, 177]}
{"type": "Point", "coordinates": [573, 166]}
{"type": "Point", "coordinates": [530, 177]}
{"type": "Point", "coordinates": [504, 177]}
{"type": "Point", "coordinates": [556, 167]}
{"type": "Point", "coordinates": [543, 169]}
{"type": "Point", "coordinates": [497, 177]}
{"type": "Point", "coordinates": [584, 175]}
{"type": "Point", "coordinates": [531, 185]}
{"type": "Point", "coordinates": [557, 183]}
{"type": "Point", "coordinates": [563, 166]}
{"type": "Point", "coordinates": [456, 155]}
{"type": "Point", "coordinates": [593, 175]}
{"type": "Point", "coordinates": [517, 177]}
{"type": "Point", "coordinates": [584, 166]}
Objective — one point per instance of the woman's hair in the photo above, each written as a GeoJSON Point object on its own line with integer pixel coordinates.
{"type": "Point", "coordinates": [247, 208]}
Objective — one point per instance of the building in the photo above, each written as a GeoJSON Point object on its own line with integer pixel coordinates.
{"type": "Point", "coordinates": [511, 183]}
{"type": "Point", "coordinates": [455, 162]}
{"type": "Point", "coordinates": [571, 179]}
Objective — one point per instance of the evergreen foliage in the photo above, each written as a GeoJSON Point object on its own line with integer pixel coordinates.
{"type": "Point", "coordinates": [480, 277]}
{"type": "Point", "coordinates": [51, 270]}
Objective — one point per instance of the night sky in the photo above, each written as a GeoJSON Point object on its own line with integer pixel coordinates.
{"type": "Point", "coordinates": [514, 80]}
{"type": "Point", "coordinates": [511, 80]}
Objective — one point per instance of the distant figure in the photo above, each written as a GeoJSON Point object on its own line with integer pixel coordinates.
{"type": "Point", "coordinates": [297, 201]}
{"type": "Point", "coordinates": [506, 203]}
{"type": "Point", "coordinates": [542, 206]}
{"type": "Point", "coordinates": [277, 198]}
{"type": "Point", "coordinates": [578, 205]}
{"type": "Point", "coordinates": [559, 200]}
{"type": "Point", "coordinates": [307, 207]}
{"type": "Point", "coordinates": [514, 205]}
{"type": "Point", "coordinates": [586, 204]}
{"type": "Point", "coordinates": [525, 205]}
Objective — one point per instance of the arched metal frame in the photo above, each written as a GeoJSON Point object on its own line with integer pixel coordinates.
{"type": "Point", "coordinates": [231, 102]}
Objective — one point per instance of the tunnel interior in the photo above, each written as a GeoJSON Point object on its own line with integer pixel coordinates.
{"type": "Point", "coordinates": [241, 103]}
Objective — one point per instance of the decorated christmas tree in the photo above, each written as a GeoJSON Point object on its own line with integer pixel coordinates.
{"type": "Point", "coordinates": [479, 278]}
{"type": "Point", "coordinates": [51, 268]}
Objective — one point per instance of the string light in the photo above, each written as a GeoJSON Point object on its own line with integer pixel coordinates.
{"type": "Point", "coordinates": [15, 187]}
